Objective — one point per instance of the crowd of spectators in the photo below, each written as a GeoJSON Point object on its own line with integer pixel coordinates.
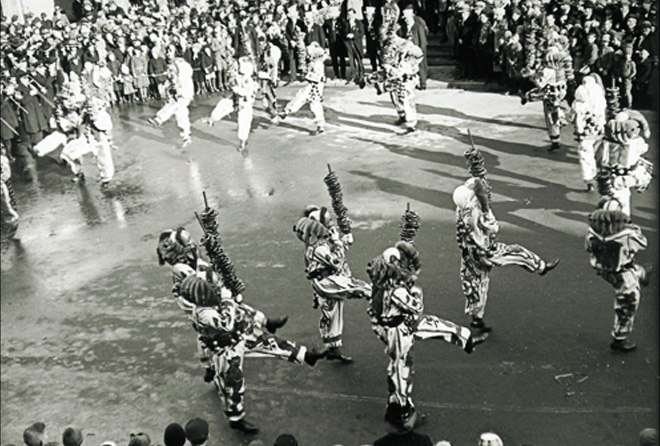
{"type": "Point", "coordinates": [505, 41]}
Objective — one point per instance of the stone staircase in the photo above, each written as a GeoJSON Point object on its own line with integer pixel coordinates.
{"type": "Point", "coordinates": [443, 68]}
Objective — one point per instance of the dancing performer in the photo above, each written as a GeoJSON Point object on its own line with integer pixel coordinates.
{"type": "Point", "coordinates": [589, 109]}
{"type": "Point", "coordinates": [181, 92]}
{"type": "Point", "coordinates": [551, 87]}
{"type": "Point", "coordinates": [612, 243]}
{"type": "Point", "coordinates": [405, 78]}
{"type": "Point", "coordinates": [399, 73]}
{"type": "Point", "coordinates": [621, 155]}
{"type": "Point", "coordinates": [313, 91]}
{"type": "Point", "coordinates": [476, 230]}
{"type": "Point", "coordinates": [269, 75]}
{"type": "Point", "coordinates": [396, 311]}
{"type": "Point", "coordinates": [332, 281]}
{"type": "Point", "coordinates": [232, 331]}
{"type": "Point", "coordinates": [244, 89]}
{"type": "Point", "coordinates": [83, 127]}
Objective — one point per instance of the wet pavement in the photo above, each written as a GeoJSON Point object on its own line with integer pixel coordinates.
{"type": "Point", "coordinates": [91, 337]}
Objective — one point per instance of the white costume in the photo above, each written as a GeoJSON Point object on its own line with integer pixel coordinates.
{"type": "Point", "coordinates": [182, 81]}
{"type": "Point", "coordinates": [589, 118]}
{"type": "Point", "coordinates": [245, 90]}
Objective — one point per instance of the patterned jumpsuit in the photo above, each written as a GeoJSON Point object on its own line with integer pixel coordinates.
{"type": "Point", "coordinates": [613, 258]}
{"type": "Point", "coordinates": [332, 282]}
{"type": "Point", "coordinates": [397, 318]}
{"type": "Point", "coordinates": [247, 337]}
{"type": "Point", "coordinates": [475, 233]}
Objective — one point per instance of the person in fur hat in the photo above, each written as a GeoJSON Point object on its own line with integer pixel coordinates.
{"type": "Point", "coordinates": [622, 149]}
{"type": "Point", "coordinates": [588, 112]}
{"type": "Point", "coordinates": [178, 249]}
{"type": "Point", "coordinates": [231, 331]}
{"type": "Point", "coordinates": [612, 243]}
{"type": "Point", "coordinates": [312, 93]}
{"type": "Point", "coordinates": [183, 90]}
{"type": "Point", "coordinates": [476, 231]}
{"type": "Point", "coordinates": [244, 90]}
{"type": "Point", "coordinates": [396, 312]}
{"type": "Point", "coordinates": [331, 277]}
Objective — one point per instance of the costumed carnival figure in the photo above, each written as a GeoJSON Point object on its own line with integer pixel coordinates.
{"type": "Point", "coordinates": [326, 266]}
{"type": "Point", "coordinates": [551, 87]}
{"type": "Point", "coordinates": [405, 78]}
{"type": "Point", "coordinates": [588, 110]}
{"type": "Point", "coordinates": [612, 243]}
{"type": "Point", "coordinates": [476, 231]}
{"type": "Point", "coordinates": [228, 328]}
{"type": "Point", "coordinates": [268, 75]}
{"type": "Point", "coordinates": [622, 149]}
{"type": "Point", "coordinates": [180, 93]}
{"type": "Point", "coordinates": [396, 312]}
{"type": "Point", "coordinates": [83, 126]}
{"type": "Point", "coordinates": [312, 93]}
{"type": "Point", "coordinates": [244, 88]}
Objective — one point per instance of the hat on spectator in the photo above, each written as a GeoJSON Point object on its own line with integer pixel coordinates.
{"type": "Point", "coordinates": [174, 435]}
{"type": "Point", "coordinates": [197, 431]}
{"type": "Point", "coordinates": [646, 24]}
{"type": "Point", "coordinates": [286, 440]}
{"type": "Point", "coordinates": [139, 439]}
{"type": "Point", "coordinates": [34, 435]}
{"type": "Point", "coordinates": [72, 437]}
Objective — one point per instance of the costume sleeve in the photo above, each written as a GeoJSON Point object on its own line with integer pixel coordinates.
{"type": "Point", "coordinates": [409, 301]}
{"type": "Point", "coordinates": [636, 241]}
{"type": "Point", "coordinates": [179, 272]}
{"type": "Point", "coordinates": [329, 257]}
{"type": "Point", "coordinates": [484, 228]}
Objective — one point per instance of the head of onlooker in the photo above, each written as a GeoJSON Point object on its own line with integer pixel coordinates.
{"type": "Point", "coordinates": [490, 439]}
{"type": "Point", "coordinates": [139, 439]}
{"type": "Point", "coordinates": [648, 437]}
{"type": "Point", "coordinates": [286, 440]}
{"type": "Point", "coordinates": [197, 431]}
{"type": "Point", "coordinates": [174, 435]}
{"type": "Point", "coordinates": [72, 437]}
{"type": "Point", "coordinates": [35, 434]}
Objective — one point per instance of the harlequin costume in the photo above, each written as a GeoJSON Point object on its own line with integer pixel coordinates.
{"type": "Point", "coordinates": [327, 269]}
{"type": "Point", "coordinates": [622, 149]}
{"type": "Point", "coordinates": [612, 243]}
{"type": "Point", "coordinates": [476, 232]}
{"type": "Point", "coordinates": [228, 328]}
{"type": "Point", "coordinates": [396, 312]}
{"type": "Point", "coordinates": [244, 88]}
{"type": "Point", "coordinates": [312, 93]}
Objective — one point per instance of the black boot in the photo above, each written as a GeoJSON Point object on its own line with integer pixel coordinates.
{"type": "Point", "coordinates": [480, 325]}
{"type": "Point", "coordinates": [244, 426]}
{"type": "Point", "coordinates": [335, 354]}
{"type": "Point", "coordinates": [274, 323]}
{"type": "Point", "coordinates": [622, 345]}
{"type": "Point", "coordinates": [209, 375]}
{"type": "Point", "coordinates": [312, 356]}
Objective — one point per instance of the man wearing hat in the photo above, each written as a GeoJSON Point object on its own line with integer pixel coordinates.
{"type": "Point", "coordinates": [414, 28]}
{"type": "Point", "coordinates": [353, 36]}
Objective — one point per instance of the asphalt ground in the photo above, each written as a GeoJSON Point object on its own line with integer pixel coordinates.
{"type": "Point", "coordinates": [91, 337]}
